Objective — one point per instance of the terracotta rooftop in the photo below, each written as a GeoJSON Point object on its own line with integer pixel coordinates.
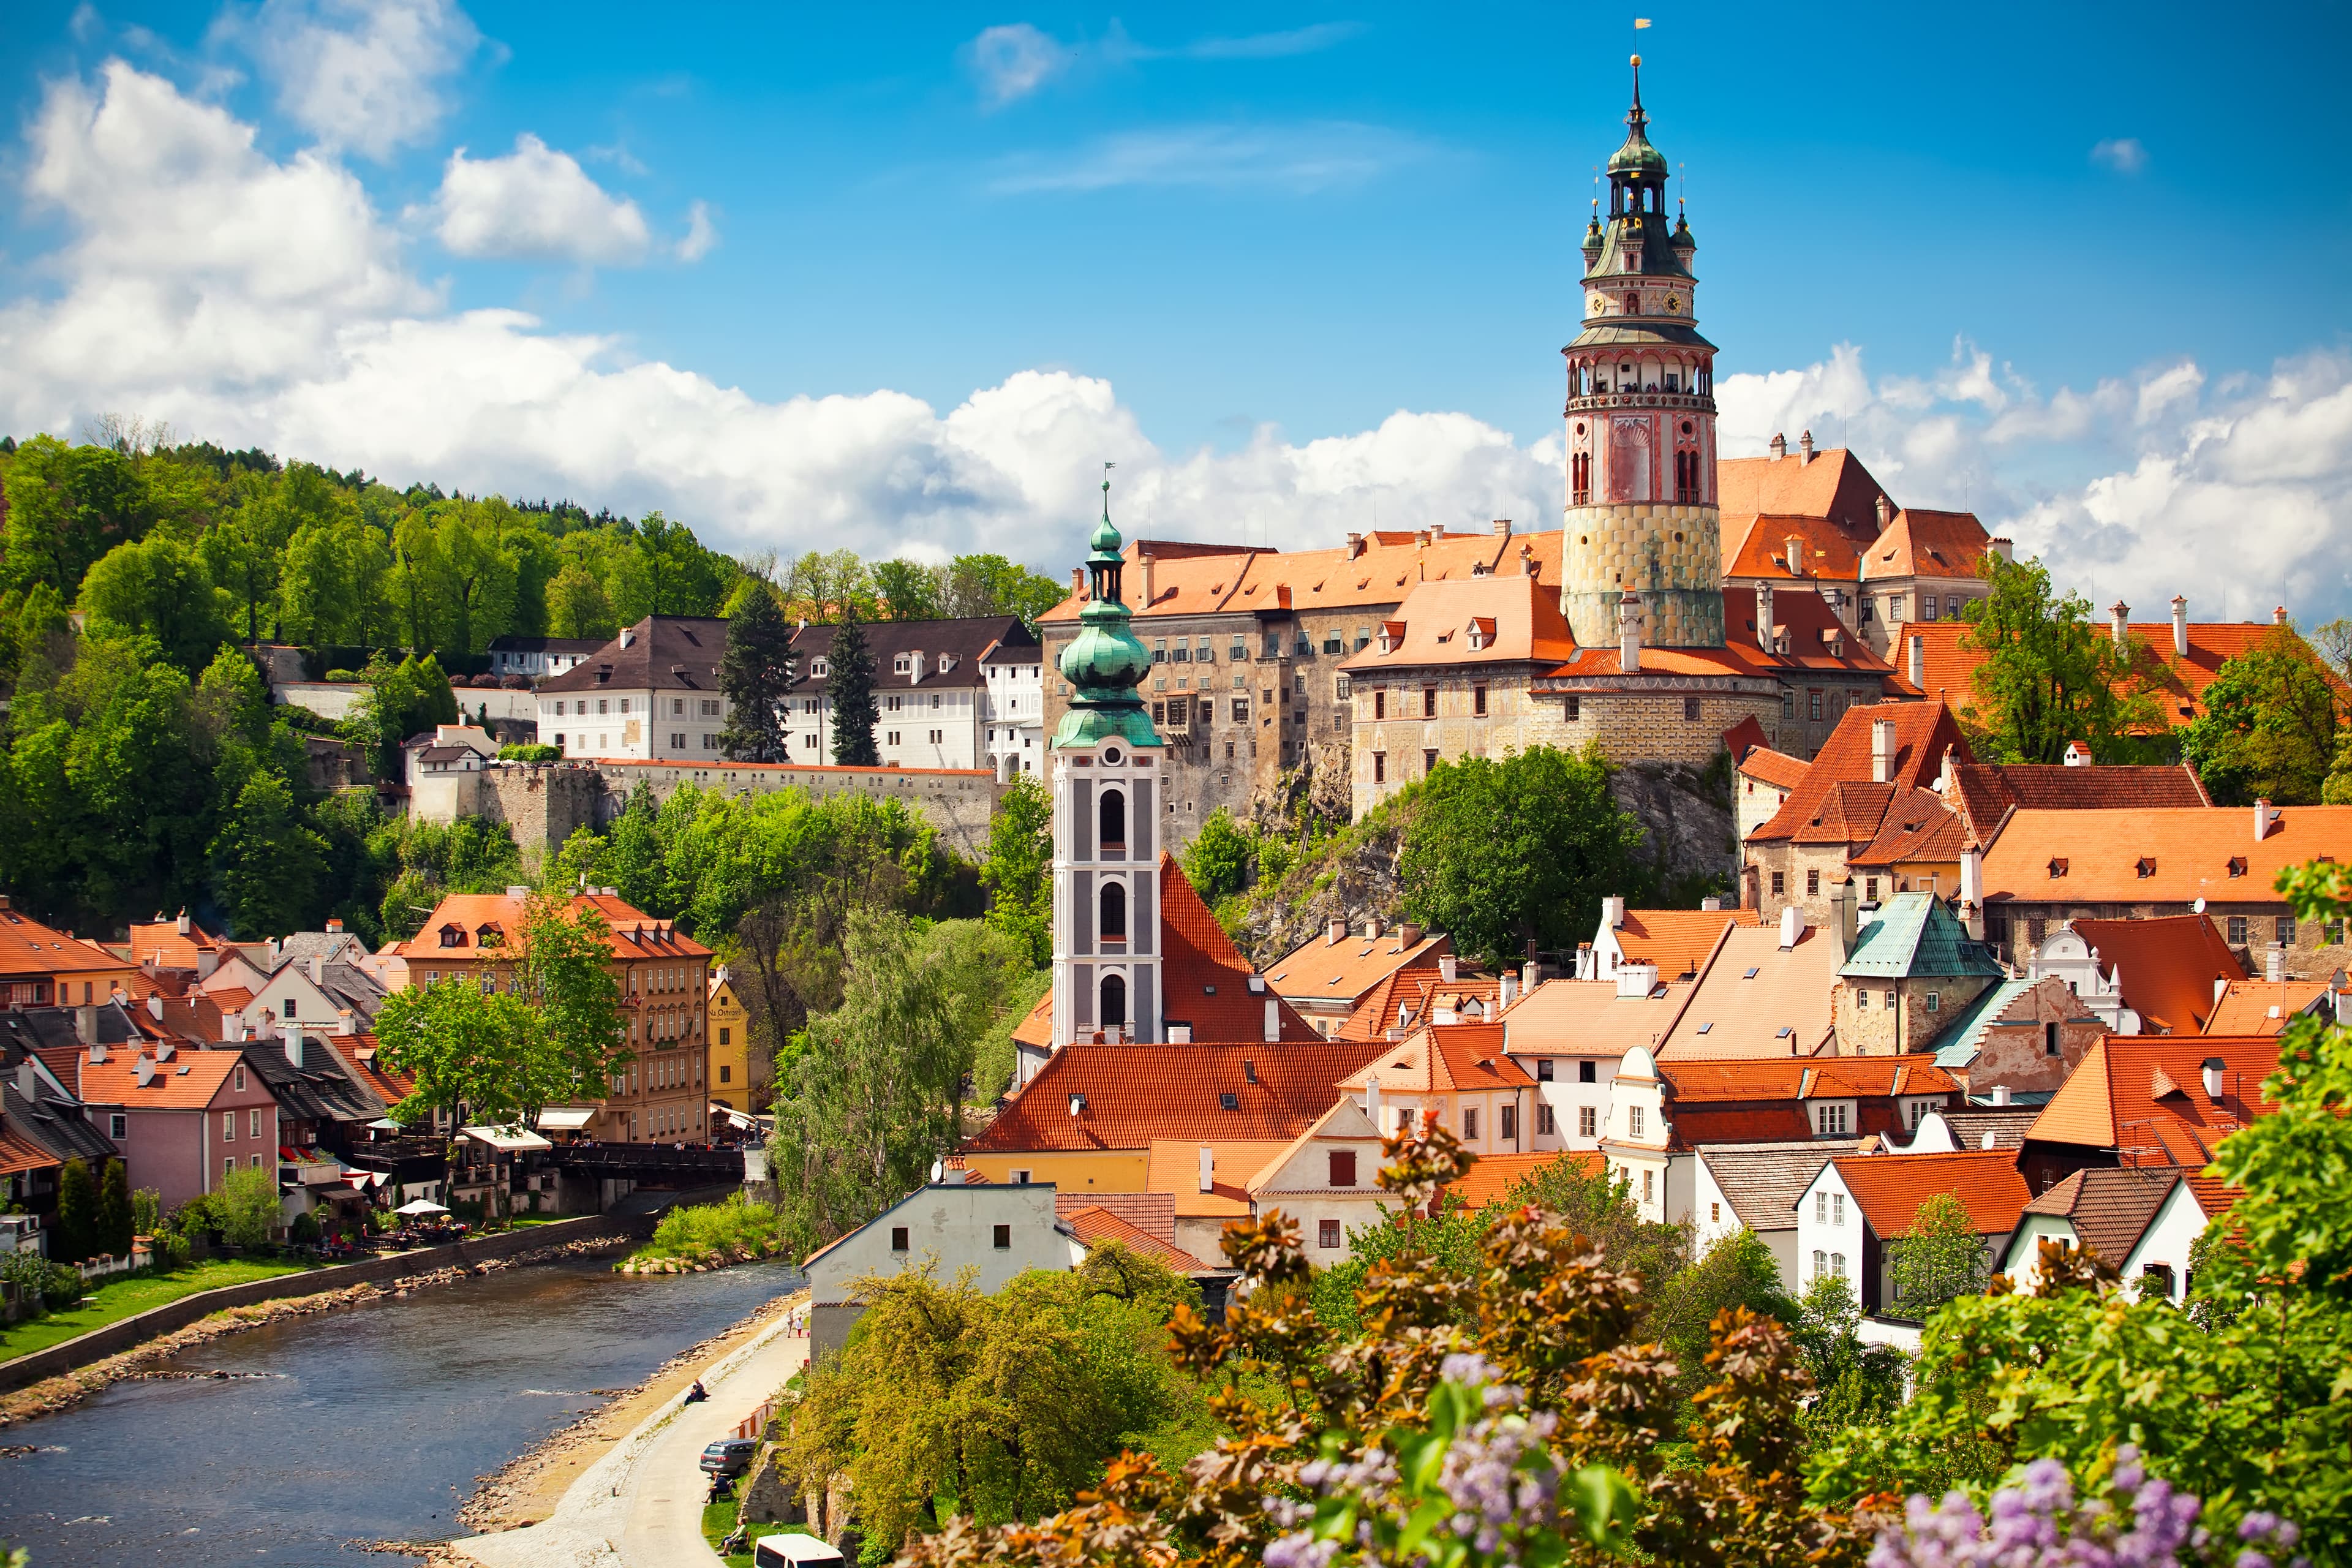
{"type": "Point", "coordinates": [1446, 1059]}
{"type": "Point", "coordinates": [1321, 969]}
{"type": "Point", "coordinates": [1889, 1188]}
{"type": "Point", "coordinates": [2164, 857]}
{"type": "Point", "coordinates": [1678, 940]}
{"type": "Point", "coordinates": [478, 917]}
{"type": "Point", "coordinates": [1760, 553]}
{"type": "Point", "coordinates": [2168, 966]}
{"type": "Point", "coordinates": [1128, 1096]}
{"type": "Point", "coordinates": [1838, 801]}
{"type": "Point", "coordinates": [2180, 683]}
{"type": "Point", "coordinates": [189, 1081]}
{"type": "Point", "coordinates": [1173, 1167]}
{"type": "Point", "coordinates": [2144, 1096]}
{"type": "Point", "coordinates": [1808, 630]}
{"type": "Point", "coordinates": [1768, 1100]}
{"type": "Point", "coordinates": [1777, 769]}
{"type": "Point", "coordinates": [1835, 485]}
{"type": "Point", "coordinates": [28, 947]}
{"type": "Point", "coordinates": [1410, 997]}
{"type": "Point", "coordinates": [1491, 1178]}
{"type": "Point", "coordinates": [1756, 999]}
{"type": "Point", "coordinates": [1587, 1017]}
{"type": "Point", "coordinates": [1916, 825]}
{"type": "Point", "coordinates": [1191, 580]}
{"type": "Point", "coordinates": [1205, 976]}
{"type": "Point", "coordinates": [2264, 1006]}
{"type": "Point", "coordinates": [1095, 1225]}
{"type": "Point", "coordinates": [1985, 793]}
{"type": "Point", "coordinates": [1508, 619]}
{"type": "Point", "coordinates": [1152, 1213]}
{"type": "Point", "coordinates": [160, 941]}
{"type": "Point", "coordinates": [1919, 543]}
{"type": "Point", "coordinates": [2109, 1209]}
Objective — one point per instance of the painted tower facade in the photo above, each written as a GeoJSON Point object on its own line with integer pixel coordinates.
{"type": "Point", "coordinates": [1641, 510]}
{"type": "Point", "coordinates": [1107, 794]}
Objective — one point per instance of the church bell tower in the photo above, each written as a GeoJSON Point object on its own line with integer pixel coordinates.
{"type": "Point", "coordinates": [1642, 506]}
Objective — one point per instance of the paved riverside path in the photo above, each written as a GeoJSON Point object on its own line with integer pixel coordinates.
{"type": "Point", "coordinates": [640, 1506]}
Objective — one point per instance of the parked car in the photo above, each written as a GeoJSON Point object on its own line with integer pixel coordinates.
{"type": "Point", "coordinates": [794, 1551]}
{"type": "Point", "coordinates": [728, 1456]}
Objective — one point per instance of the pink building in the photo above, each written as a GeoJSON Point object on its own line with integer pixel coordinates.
{"type": "Point", "coordinates": [182, 1119]}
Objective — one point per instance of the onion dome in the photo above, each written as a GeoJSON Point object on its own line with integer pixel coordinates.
{"type": "Point", "coordinates": [1106, 661]}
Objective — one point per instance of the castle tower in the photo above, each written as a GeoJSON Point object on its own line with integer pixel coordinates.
{"type": "Point", "coordinates": [1641, 421]}
{"type": "Point", "coordinates": [1106, 772]}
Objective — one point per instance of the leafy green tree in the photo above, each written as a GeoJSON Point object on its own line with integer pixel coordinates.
{"type": "Point", "coordinates": [156, 587]}
{"type": "Point", "coordinates": [1217, 861]}
{"type": "Point", "coordinates": [755, 678]}
{"type": "Point", "coordinates": [75, 1235]}
{"type": "Point", "coordinates": [1500, 851]}
{"type": "Point", "coordinates": [248, 1206]}
{"type": "Point", "coordinates": [403, 700]}
{"type": "Point", "coordinates": [907, 590]}
{"type": "Point", "coordinates": [473, 1053]}
{"type": "Point", "coordinates": [146, 1211]}
{"type": "Point", "coordinates": [992, 585]}
{"type": "Point", "coordinates": [829, 585]}
{"type": "Point", "coordinates": [1858, 1383]}
{"type": "Point", "coordinates": [2049, 677]}
{"type": "Point", "coordinates": [1018, 868]}
{"type": "Point", "coordinates": [111, 1226]}
{"type": "Point", "coordinates": [577, 606]}
{"type": "Point", "coordinates": [564, 972]}
{"type": "Point", "coordinates": [2273, 720]}
{"type": "Point", "coordinates": [1942, 1258]}
{"type": "Point", "coordinates": [1736, 1270]}
{"type": "Point", "coordinates": [849, 689]}
{"type": "Point", "coordinates": [66, 507]}
{"type": "Point", "coordinates": [335, 586]}
{"type": "Point", "coordinates": [272, 867]}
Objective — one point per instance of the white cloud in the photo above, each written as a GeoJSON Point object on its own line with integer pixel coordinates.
{"type": "Point", "coordinates": [701, 235]}
{"type": "Point", "coordinates": [360, 74]}
{"type": "Point", "coordinates": [1014, 61]}
{"type": "Point", "coordinates": [2124, 154]}
{"type": "Point", "coordinates": [1285, 157]}
{"type": "Point", "coordinates": [1269, 45]}
{"type": "Point", "coordinates": [535, 203]}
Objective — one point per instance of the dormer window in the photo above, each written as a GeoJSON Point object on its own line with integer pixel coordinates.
{"type": "Point", "coordinates": [899, 666]}
{"type": "Point", "coordinates": [820, 669]}
{"type": "Point", "coordinates": [452, 935]}
{"type": "Point", "coordinates": [2237, 865]}
{"type": "Point", "coordinates": [2146, 866]}
{"type": "Point", "coordinates": [2057, 866]}
{"type": "Point", "coordinates": [490, 934]}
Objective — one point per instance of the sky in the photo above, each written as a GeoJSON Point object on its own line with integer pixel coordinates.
{"type": "Point", "coordinates": [902, 277]}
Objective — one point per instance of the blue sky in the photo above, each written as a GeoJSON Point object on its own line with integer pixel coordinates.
{"type": "Point", "coordinates": [1291, 268]}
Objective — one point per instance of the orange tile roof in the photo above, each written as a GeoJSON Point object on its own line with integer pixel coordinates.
{"type": "Point", "coordinates": [1949, 668]}
{"type": "Point", "coordinates": [1492, 1176]}
{"type": "Point", "coordinates": [1096, 1225]}
{"type": "Point", "coordinates": [1835, 485]}
{"type": "Point", "coordinates": [1678, 940]}
{"type": "Point", "coordinates": [1037, 1028]}
{"type": "Point", "coordinates": [1419, 994]}
{"type": "Point", "coordinates": [1923, 732]}
{"type": "Point", "coordinates": [1889, 1188]}
{"type": "Point", "coordinates": [1919, 543]}
{"type": "Point", "coordinates": [160, 941]}
{"type": "Point", "coordinates": [358, 1051]}
{"type": "Point", "coordinates": [1821, 1078]}
{"type": "Point", "coordinates": [1134, 1094]}
{"type": "Point", "coordinates": [2196, 854]}
{"type": "Point", "coordinates": [2144, 1096]}
{"type": "Point", "coordinates": [1815, 639]}
{"type": "Point", "coordinates": [230, 998]}
{"type": "Point", "coordinates": [1445, 1058]}
{"type": "Point", "coordinates": [1777, 769]}
{"type": "Point", "coordinates": [1917, 825]}
{"type": "Point", "coordinates": [29, 947]}
{"type": "Point", "coordinates": [1984, 794]}
{"type": "Point", "coordinates": [1204, 977]}
{"type": "Point", "coordinates": [1761, 552]}
{"type": "Point", "coordinates": [2263, 1006]}
{"type": "Point", "coordinates": [1174, 1167]}
{"type": "Point", "coordinates": [1587, 1017]}
{"type": "Point", "coordinates": [1783, 1011]}
{"type": "Point", "coordinates": [189, 1081]}
{"type": "Point", "coordinates": [1152, 1213]}
{"type": "Point", "coordinates": [1191, 580]}
{"type": "Point", "coordinates": [1351, 967]}
{"type": "Point", "coordinates": [1514, 619]}
{"type": "Point", "coordinates": [18, 1154]}
{"type": "Point", "coordinates": [2168, 966]}
{"type": "Point", "coordinates": [633, 934]}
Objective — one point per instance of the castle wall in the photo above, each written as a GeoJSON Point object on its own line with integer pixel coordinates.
{"type": "Point", "coordinates": [1671, 555]}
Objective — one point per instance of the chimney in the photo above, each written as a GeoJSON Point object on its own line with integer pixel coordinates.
{"type": "Point", "coordinates": [1885, 510]}
{"type": "Point", "coordinates": [343, 1022]}
{"type": "Point", "coordinates": [1208, 1169]}
{"type": "Point", "coordinates": [2264, 817]}
{"type": "Point", "coordinates": [1528, 566]}
{"type": "Point", "coordinates": [1792, 926]}
{"type": "Point", "coordinates": [915, 668]}
{"type": "Point", "coordinates": [1272, 1019]}
{"type": "Point", "coordinates": [182, 923]}
{"type": "Point", "coordinates": [1805, 448]}
{"type": "Point", "coordinates": [2278, 615]}
{"type": "Point", "coordinates": [628, 637]}
{"type": "Point", "coordinates": [1999, 1095]}
{"type": "Point", "coordinates": [1779, 446]}
{"type": "Point", "coordinates": [1711, 904]}
{"type": "Point", "coordinates": [1764, 618]}
{"type": "Point", "coordinates": [1794, 554]}
{"type": "Point", "coordinates": [1919, 661]}
{"type": "Point", "coordinates": [2274, 964]}
{"type": "Point", "coordinates": [1612, 912]}
{"type": "Point", "coordinates": [1849, 917]}
{"type": "Point", "coordinates": [1335, 934]}
{"type": "Point", "coordinates": [85, 1024]}
{"type": "Point", "coordinates": [294, 1047]}
{"type": "Point", "coordinates": [2180, 625]}
{"type": "Point", "coordinates": [1355, 545]}
{"type": "Point", "coordinates": [1502, 528]}
{"type": "Point", "coordinates": [155, 1005]}
{"type": "Point", "coordinates": [28, 1079]}
{"type": "Point", "coordinates": [98, 1051]}
{"type": "Point", "coordinates": [274, 949]}
{"type": "Point", "coordinates": [1882, 750]}
{"type": "Point", "coordinates": [1530, 976]}
{"type": "Point", "coordinates": [1371, 929]}
{"type": "Point", "coordinates": [1636, 980]}
{"type": "Point", "coordinates": [2003, 546]}
{"type": "Point", "coordinates": [1373, 1100]}
{"type": "Point", "coordinates": [2210, 1071]}
{"type": "Point", "coordinates": [2118, 621]}
{"type": "Point", "coordinates": [1143, 591]}
{"type": "Point", "coordinates": [1410, 933]}
{"type": "Point", "coordinates": [334, 928]}
{"type": "Point", "coordinates": [1629, 633]}
{"type": "Point", "coordinates": [1078, 582]}
{"type": "Point", "coordinates": [318, 970]}
{"type": "Point", "coordinates": [1507, 992]}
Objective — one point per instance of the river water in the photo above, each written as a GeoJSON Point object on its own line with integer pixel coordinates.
{"type": "Point", "coordinates": [370, 1423]}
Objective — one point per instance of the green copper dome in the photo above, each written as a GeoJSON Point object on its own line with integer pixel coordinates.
{"type": "Point", "coordinates": [1106, 661]}
{"type": "Point", "coordinates": [1637, 156]}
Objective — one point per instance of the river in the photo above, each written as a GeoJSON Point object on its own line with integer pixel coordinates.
{"type": "Point", "coordinates": [370, 1423]}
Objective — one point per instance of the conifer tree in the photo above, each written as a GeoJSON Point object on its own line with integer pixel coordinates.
{"type": "Point", "coordinates": [754, 676]}
{"type": "Point", "coordinates": [114, 1210]}
{"type": "Point", "coordinates": [849, 686]}
{"type": "Point", "coordinates": [71, 1241]}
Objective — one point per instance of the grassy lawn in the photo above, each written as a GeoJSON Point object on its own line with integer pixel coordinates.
{"type": "Point", "coordinates": [718, 1519]}
{"type": "Point", "coordinates": [126, 1294]}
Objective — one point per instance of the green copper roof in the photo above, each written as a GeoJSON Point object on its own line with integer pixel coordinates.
{"type": "Point", "coordinates": [1106, 661]}
{"type": "Point", "coordinates": [1915, 936]}
{"type": "Point", "coordinates": [1637, 154]}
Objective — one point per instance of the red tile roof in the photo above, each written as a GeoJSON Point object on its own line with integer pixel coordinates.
{"type": "Point", "coordinates": [1917, 825]}
{"type": "Point", "coordinates": [1587, 1017]}
{"type": "Point", "coordinates": [1096, 1225]}
{"type": "Point", "coordinates": [1173, 1170]}
{"type": "Point", "coordinates": [1678, 940]}
{"type": "Point", "coordinates": [1446, 1059]}
{"type": "Point", "coordinates": [29, 947]}
{"type": "Point", "coordinates": [1134, 1094]}
{"type": "Point", "coordinates": [160, 941]}
{"type": "Point", "coordinates": [1206, 979]}
{"type": "Point", "coordinates": [1889, 1188]}
{"type": "Point", "coordinates": [1152, 1213]}
{"type": "Point", "coordinates": [2168, 964]}
{"type": "Point", "coordinates": [189, 1081]}
{"type": "Point", "coordinates": [2263, 1006]}
{"type": "Point", "coordinates": [1492, 1176]}
{"type": "Point", "coordinates": [1783, 1009]}
{"type": "Point", "coordinates": [1765, 1101]}
{"type": "Point", "coordinates": [19, 1154]}
{"type": "Point", "coordinates": [1919, 543]}
{"type": "Point", "coordinates": [1761, 551]}
{"type": "Point", "coordinates": [2191, 854]}
{"type": "Point", "coordinates": [633, 932]}
{"type": "Point", "coordinates": [358, 1052]}
{"type": "Point", "coordinates": [1835, 485]}
{"type": "Point", "coordinates": [1838, 789]}
{"type": "Point", "coordinates": [1419, 994]}
{"type": "Point", "coordinates": [1190, 580]}
{"type": "Point", "coordinates": [2144, 1096]}
{"type": "Point", "coordinates": [1351, 967]}
{"type": "Point", "coordinates": [1521, 624]}
{"type": "Point", "coordinates": [1777, 769]}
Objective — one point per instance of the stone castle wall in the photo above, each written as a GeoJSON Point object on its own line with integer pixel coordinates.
{"type": "Point", "coordinates": [1671, 555]}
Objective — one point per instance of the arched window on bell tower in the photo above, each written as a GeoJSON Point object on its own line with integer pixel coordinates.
{"type": "Point", "coordinates": [1114, 1001]}
{"type": "Point", "coordinates": [1112, 819]}
{"type": "Point", "coordinates": [1113, 908]}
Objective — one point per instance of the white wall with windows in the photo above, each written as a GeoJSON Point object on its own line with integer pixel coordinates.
{"type": "Point", "coordinates": [1829, 1234]}
{"type": "Point", "coordinates": [641, 726]}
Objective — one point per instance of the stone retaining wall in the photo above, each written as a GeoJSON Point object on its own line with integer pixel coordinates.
{"type": "Point", "coordinates": [116, 1337]}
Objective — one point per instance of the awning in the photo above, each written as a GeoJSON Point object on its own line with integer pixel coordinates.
{"type": "Point", "coordinates": [507, 1139]}
{"type": "Point", "coordinates": [565, 1118]}
{"type": "Point", "coordinates": [383, 1124]}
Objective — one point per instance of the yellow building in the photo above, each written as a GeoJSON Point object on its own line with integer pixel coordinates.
{"type": "Point", "coordinates": [730, 1035]}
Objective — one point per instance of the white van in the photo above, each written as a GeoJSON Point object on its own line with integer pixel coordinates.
{"type": "Point", "coordinates": [794, 1551]}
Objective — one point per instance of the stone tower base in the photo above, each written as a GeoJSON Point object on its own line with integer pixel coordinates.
{"type": "Point", "coordinates": [1671, 555]}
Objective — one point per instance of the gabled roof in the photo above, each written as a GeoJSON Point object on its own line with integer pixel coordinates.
{"type": "Point", "coordinates": [1756, 999]}
{"type": "Point", "coordinates": [665, 653]}
{"type": "Point", "coordinates": [1204, 978]}
{"type": "Point", "coordinates": [1963, 1038]}
{"type": "Point", "coordinates": [1762, 1181]}
{"type": "Point", "coordinates": [1678, 940]}
{"type": "Point", "coordinates": [189, 1081]}
{"type": "Point", "coordinates": [316, 1091]}
{"type": "Point", "coordinates": [1442, 1058]}
{"type": "Point", "coordinates": [29, 947]}
{"type": "Point", "coordinates": [1920, 543]}
{"type": "Point", "coordinates": [52, 1122]}
{"type": "Point", "coordinates": [2109, 1209]}
{"type": "Point", "coordinates": [1194, 579]}
{"type": "Point", "coordinates": [1491, 1177]}
{"type": "Point", "coordinates": [1515, 618]}
{"type": "Point", "coordinates": [1587, 1017]}
{"type": "Point", "coordinates": [19, 1154]}
{"type": "Point", "coordinates": [1809, 629]}
{"type": "Point", "coordinates": [1889, 1188]}
{"type": "Point", "coordinates": [1096, 1225]}
{"type": "Point", "coordinates": [964, 641]}
{"type": "Point", "coordinates": [2144, 1096]}
{"type": "Point", "coordinates": [2264, 1007]}
{"type": "Point", "coordinates": [1777, 769]}
{"type": "Point", "coordinates": [1917, 825]}
{"type": "Point", "coordinates": [1915, 935]}
{"type": "Point", "coordinates": [1347, 969]}
{"type": "Point", "coordinates": [2208, 854]}
{"type": "Point", "coordinates": [2007, 1125]}
{"type": "Point", "coordinates": [1761, 552]}
{"type": "Point", "coordinates": [1345, 1123]}
{"type": "Point", "coordinates": [1416, 997]}
{"type": "Point", "coordinates": [1173, 1167]}
{"type": "Point", "coordinates": [160, 941]}
{"type": "Point", "coordinates": [359, 1054]}
{"type": "Point", "coordinates": [1135, 1094]}
{"type": "Point", "coordinates": [2168, 964]}
{"type": "Point", "coordinates": [1835, 485]}
{"type": "Point", "coordinates": [1837, 801]}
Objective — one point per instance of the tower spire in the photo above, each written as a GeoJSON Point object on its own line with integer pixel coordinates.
{"type": "Point", "coordinates": [1635, 116]}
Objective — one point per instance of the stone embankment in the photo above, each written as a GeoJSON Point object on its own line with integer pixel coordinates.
{"type": "Point", "coordinates": [704, 1263]}
{"type": "Point", "coordinates": [54, 1393]}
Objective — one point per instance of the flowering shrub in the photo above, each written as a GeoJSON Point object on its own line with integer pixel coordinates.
{"type": "Point", "coordinates": [2135, 1520]}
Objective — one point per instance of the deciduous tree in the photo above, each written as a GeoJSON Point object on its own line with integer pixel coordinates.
{"type": "Point", "coordinates": [1941, 1258]}
{"type": "Point", "coordinates": [1017, 870]}
{"type": "Point", "coordinates": [2048, 676]}
{"type": "Point", "coordinates": [2272, 720]}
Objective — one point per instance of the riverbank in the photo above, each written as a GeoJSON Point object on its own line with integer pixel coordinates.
{"type": "Point", "coordinates": [127, 1295]}
{"type": "Point", "coordinates": [67, 1389]}
{"type": "Point", "coordinates": [527, 1490]}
